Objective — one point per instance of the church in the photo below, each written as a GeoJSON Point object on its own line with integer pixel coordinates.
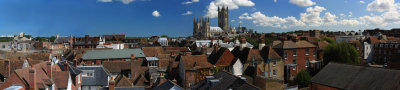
{"type": "Point", "coordinates": [202, 28]}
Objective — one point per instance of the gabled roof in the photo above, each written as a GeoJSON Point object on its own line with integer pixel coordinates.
{"type": "Point", "coordinates": [122, 81]}
{"type": "Point", "coordinates": [291, 44]}
{"type": "Point", "coordinates": [194, 62]}
{"type": "Point", "coordinates": [100, 76]}
{"type": "Point", "coordinates": [60, 78]}
{"type": "Point", "coordinates": [352, 77]}
{"type": "Point", "coordinates": [41, 77]}
{"type": "Point", "coordinates": [112, 54]}
{"type": "Point", "coordinates": [222, 57]}
{"type": "Point", "coordinates": [268, 53]}
{"type": "Point", "coordinates": [117, 66]}
{"type": "Point", "coordinates": [168, 85]}
{"type": "Point", "coordinates": [226, 81]}
{"type": "Point", "coordinates": [152, 51]}
{"type": "Point", "coordinates": [246, 54]}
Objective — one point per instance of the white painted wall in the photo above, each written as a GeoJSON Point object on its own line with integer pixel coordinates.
{"type": "Point", "coordinates": [238, 68]}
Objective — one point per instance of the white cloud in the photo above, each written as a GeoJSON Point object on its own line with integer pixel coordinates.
{"type": "Point", "coordinates": [187, 13]}
{"type": "Point", "coordinates": [341, 14]}
{"type": "Point", "coordinates": [350, 22]}
{"type": "Point", "coordinates": [156, 13]}
{"type": "Point", "coordinates": [212, 9]}
{"type": "Point", "coordinates": [127, 1]}
{"type": "Point", "coordinates": [303, 3]}
{"type": "Point", "coordinates": [232, 20]}
{"type": "Point", "coordinates": [240, 21]}
{"type": "Point", "coordinates": [312, 16]}
{"type": "Point", "coordinates": [275, 0]}
{"type": "Point", "coordinates": [350, 14]}
{"type": "Point", "coordinates": [190, 2]}
{"type": "Point", "coordinates": [329, 19]}
{"type": "Point", "coordinates": [362, 2]}
{"type": "Point", "coordinates": [382, 5]}
{"type": "Point", "coordinates": [274, 21]}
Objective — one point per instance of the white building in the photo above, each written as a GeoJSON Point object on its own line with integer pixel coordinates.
{"type": "Point", "coordinates": [163, 41]}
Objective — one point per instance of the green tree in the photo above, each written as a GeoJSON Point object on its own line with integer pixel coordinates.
{"type": "Point", "coordinates": [329, 40]}
{"type": "Point", "coordinates": [302, 78]}
{"type": "Point", "coordinates": [164, 36]}
{"type": "Point", "coordinates": [52, 38]}
{"type": "Point", "coordinates": [40, 39]}
{"type": "Point", "coordinates": [341, 52]}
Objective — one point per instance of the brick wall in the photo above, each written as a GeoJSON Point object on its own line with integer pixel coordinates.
{"type": "Point", "coordinates": [12, 80]}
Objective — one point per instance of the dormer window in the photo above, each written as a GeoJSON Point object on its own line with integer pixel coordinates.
{"type": "Point", "coordinates": [87, 73]}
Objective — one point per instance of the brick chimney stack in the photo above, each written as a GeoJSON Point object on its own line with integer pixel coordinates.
{"type": "Point", "coordinates": [66, 66]}
{"type": "Point", "coordinates": [132, 56]}
{"type": "Point", "coordinates": [111, 84]}
{"type": "Point", "coordinates": [49, 70]}
{"type": "Point", "coordinates": [32, 79]}
{"type": "Point", "coordinates": [243, 42]}
{"type": "Point", "coordinates": [262, 44]}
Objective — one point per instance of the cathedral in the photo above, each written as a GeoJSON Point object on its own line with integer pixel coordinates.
{"type": "Point", "coordinates": [202, 28]}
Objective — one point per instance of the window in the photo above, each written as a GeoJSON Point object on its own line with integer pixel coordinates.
{"type": "Point", "coordinates": [294, 67]}
{"type": "Point", "coordinates": [295, 61]}
{"type": "Point", "coordinates": [94, 62]}
{"type": "Point", "coordinates": [285, 55]}
{"type": "Point", "coordinates": [307, 62]}
{"type": "Point", "coordinates": [294, 52]}
{"type": "Point", "coordinates": [307, 51]}
{"type": "Point", "coordinates": [79, 78]}
{"type": "Point", "coordinates": [87, 73]}
{"type": "Point", "coordinates": [4, 46]}
{"type": "Point", "coordinates": [274, 72]}
{"type": "Point", "coordinates": [274, 63]}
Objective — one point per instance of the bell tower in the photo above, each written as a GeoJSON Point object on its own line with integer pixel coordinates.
{"type": "Point", "coordinates": [223, 15]}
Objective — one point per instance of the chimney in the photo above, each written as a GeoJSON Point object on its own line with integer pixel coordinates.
{"type": "Point", "coordinates": [132, 56]}
{"type": "Point", "coordinates": [49, 70]}
{"type": "Point", "coordinates": [32, 79]}
{"type": "Point", "coordinates": [111, 84]}
{"type": "Point", "coordinates": [262, 44]}
{"type": "Point", "coordinates": [75, 62]}
{"type": "Point", "coordinates": [66, 66]}
{"type": "Point", "coordinates": [7, 65]}
{"type": "Point", "coordinates": [243, 43]}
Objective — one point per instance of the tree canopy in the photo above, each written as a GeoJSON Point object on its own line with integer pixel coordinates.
{"type": "Point", "coordinates": [303, 78]}
{"type": "Point", "coordinates": [341, 52]}
{"type": "Point", "coordinates": [329, 40]}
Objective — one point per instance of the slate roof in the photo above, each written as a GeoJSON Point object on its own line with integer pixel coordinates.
{"type": "Point", "coordinates": [73, 70]}
{"type": "Point", "coordinates": [112, 54]}
{"type": "Point", "coordinates": [226, 81]}
{"type": "Point", "coordinates": [352, 77]}
{"type": "Point", "coordinates": [62, 40]}
{"type": "Point", "coordinates": [100, 77]}
{"type": "Point", "coordinates": [222, 57]}
{"type": "Point", "coordinates": [168, 85]}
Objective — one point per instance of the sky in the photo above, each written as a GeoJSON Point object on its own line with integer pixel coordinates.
{"type": "Point", "coordinates": [143, 18]}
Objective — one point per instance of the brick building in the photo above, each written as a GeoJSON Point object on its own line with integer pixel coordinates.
{"type": "Point", "coordinates": [192, 69]}
{"type": "Point", "coordinates": [384, 51]}
{"type": "Point", "coordinates": [296, 54]}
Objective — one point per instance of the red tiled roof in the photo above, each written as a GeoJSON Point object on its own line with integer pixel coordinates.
{"type": "Point", "coordinates": [152, 51]}
{"type": "Point", "coordinates": [194, 62]}
{"type": "Point", "coordinates": [122, 81]}
{"type": "Point", "coordinates": [222, 57]}
{"type": "Point", "coordinates": [60, 78]}
{"type": "Point", "coordinates": [117, 66]}
{"type": "Point", "coordinates": [291, 44]}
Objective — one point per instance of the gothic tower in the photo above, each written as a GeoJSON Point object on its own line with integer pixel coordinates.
{"type": "Point", "coordinates": [196, 28]}
{"type": "Point", "coordinates": [223, 15]}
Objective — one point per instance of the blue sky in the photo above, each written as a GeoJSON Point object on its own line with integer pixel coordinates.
{"type": "Point", "coordinates": [175, 17]}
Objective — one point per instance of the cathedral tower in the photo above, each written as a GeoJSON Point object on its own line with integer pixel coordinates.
{"type": "Point", "coordinates": [223, 15]}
